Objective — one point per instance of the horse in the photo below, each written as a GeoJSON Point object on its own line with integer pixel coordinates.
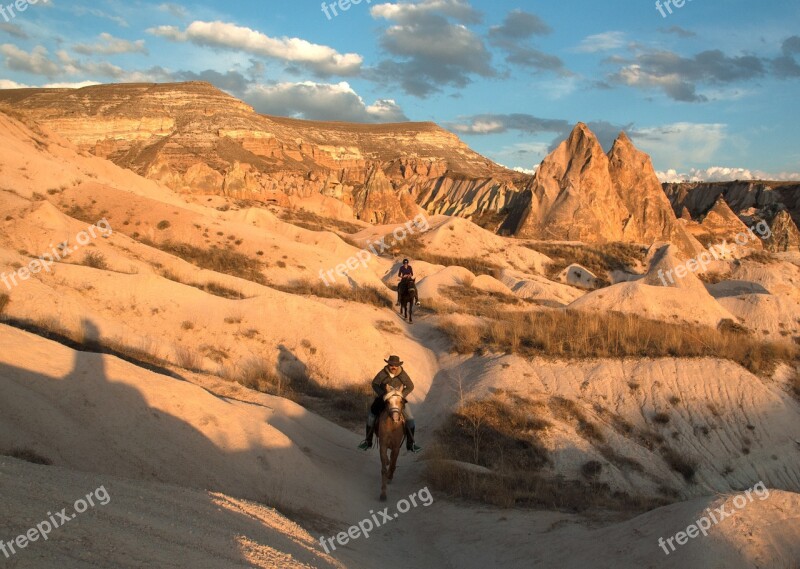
{"type": "Point", "coordinates": [391, 430]}
{"type": "Point", "coordinates": [408, 298]}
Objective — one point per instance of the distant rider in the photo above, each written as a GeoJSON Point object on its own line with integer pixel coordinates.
{"type": "Point", "coordinates": [405, 272]}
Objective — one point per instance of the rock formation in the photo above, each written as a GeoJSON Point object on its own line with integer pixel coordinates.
{"type": "Point", "coordinates": [774, 203]}
{"type": "Point", "coordinates": [196, 139]}
{"type": "Point", "coordinates": [580, 193]}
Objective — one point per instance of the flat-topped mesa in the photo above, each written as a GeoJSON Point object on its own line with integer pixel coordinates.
{"type": "Point", "coordinates": [581, 193]}
{"type": "Point", "coordinates": [195, 138]}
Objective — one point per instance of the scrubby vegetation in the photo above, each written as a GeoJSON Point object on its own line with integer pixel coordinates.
{"type": "Point", "coordinates": [503, 437]}
{"type": "Point", "coordinates": [27, 455]}
{"type": "Point", "coordinates": [413, 247]}
{"type": "Point", "coordinates": [580, 334]}
{"type": "Point", "coordinates": [599, 259]}
{"type": "Point", "coordinates": [345, 406]}
{"type": "Point", "coordinates": [314, 222]}
{"type": "Point", "coordinates": [95, 260]}
{"type": "Point", "coordinates": [216, 259]}
{"type": "Point", "coordinates": [362, 294]}
{"type": "Point", "coordinates": [210, 287]}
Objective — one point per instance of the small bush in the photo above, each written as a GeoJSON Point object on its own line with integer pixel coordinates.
{"type": "Point", "coordinates": [591, 469]}
{"type": "Point", "coordinates": [187, 325]}
{"type": "Point", "coordinates": [4, 300]}
{"type": "Point", "coordinates": [28, 455]}
{"type": "Point", "coordinates": [661, 418]}
{"type": "Point", "coordinates": [163, 224]}
{"type": "Point", "coordinates": [95, 260]}
{"type": "Point", "coordinates": [679, 463]}
{"type": "Point", "coordinates": [188, 359]}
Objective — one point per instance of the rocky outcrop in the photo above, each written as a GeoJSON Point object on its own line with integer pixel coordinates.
{"type": "Point", "coordinates": [783, 234]}
{"type": "Point", "coordinates": [722, 224]}
{"type": "Point", "coordinates": [197, 139]}
{"type": "Point", "coordinates": [754, 203]}
{"type": "Point", "coordinates": [580, 193]}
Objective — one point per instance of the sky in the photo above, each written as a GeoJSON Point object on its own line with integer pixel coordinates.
{"type": "Point", "coordinates": [708, 88]}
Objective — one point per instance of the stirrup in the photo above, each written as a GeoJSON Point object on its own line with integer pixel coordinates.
{"type": "Point", "coordinates": [365, 445]}
{"type": "Point", "coordinates": [414, 448]}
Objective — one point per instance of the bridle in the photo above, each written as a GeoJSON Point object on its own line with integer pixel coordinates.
{"type": "Point", "coordinates": [394, 403]}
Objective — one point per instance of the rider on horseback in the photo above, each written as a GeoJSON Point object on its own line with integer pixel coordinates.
{"type": "Point", "coordinates": [405, 272]}
{"type": "Point", "coordinates": [394, 375]}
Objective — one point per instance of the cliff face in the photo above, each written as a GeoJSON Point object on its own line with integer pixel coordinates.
{"type": "Point", "coordinates": [197, 139]}
{"type": "Point", "coordinates": [580, 193]}
{"type": "Point", "coordinates": [749, 202]}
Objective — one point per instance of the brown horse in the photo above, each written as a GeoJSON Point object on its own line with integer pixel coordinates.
{"type": "Point", "coordinates": [408, 298]}
{"type": "Point", "coordinates": [391, 428]}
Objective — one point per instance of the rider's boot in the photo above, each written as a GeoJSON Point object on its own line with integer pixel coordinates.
{"type": "Point", "coordinates": [366, 444]}
{"type": "Point", "coordinates": [410, 446]}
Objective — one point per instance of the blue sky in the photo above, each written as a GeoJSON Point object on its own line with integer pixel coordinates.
{"type": "Point", "coordinates": [710, 90]}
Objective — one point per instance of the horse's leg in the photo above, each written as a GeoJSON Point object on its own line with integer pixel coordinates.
{"type": "Point", "coordinates": [411, 310]}
{"type": "Point", "coordinates": [384, 469]}
{"type": "Point", "coordinates": [395, 453]}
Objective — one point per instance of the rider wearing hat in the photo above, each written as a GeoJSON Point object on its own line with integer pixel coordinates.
{"type": "Point", "coordinates": [391, 375]}
{"type": "Point", "coordinates": [405, 272]}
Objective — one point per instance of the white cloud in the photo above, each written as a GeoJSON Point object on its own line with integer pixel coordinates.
{"type": "Point", "coordinates": [9, 84]}
{"type": "Point", "coordinates": [681, 144]}
{"type": "Point", "coordinates": [77, 85]}
{"type": "Point", "coordinates": [319, 58]}
{"type": "Point", "coordinates": [407, 12]}
{"type": "Point", "coordinates": [321, 101]}
{"type": "Point", "coordinates": [35, 61]}
{"type": "Point", "coordinates": [723, 174]}
{"type": "Point", "coordinates": [602, 42]}
{"type": "Point", "coordinates": [109, 45]}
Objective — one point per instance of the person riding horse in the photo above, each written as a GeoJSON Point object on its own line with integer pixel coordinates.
{"type": "Point", "coordinates": [405, 273]}
{"type": "Point", "coordinates": [395, 376]}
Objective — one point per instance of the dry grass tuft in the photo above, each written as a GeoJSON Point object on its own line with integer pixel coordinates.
{"type": "Point", "coordinates": [579, 334]}
{"type": "Point", "coordinates": [215, 259]}
{"type": "Point", "coordinates": [413, 247]}
{"type": "Point", "coordinates": [364, 295]}
{"type": "Point", "coordinates": [95, 260]}
{"type": "Point", "coordinates": [4, 301]}
{"type": "Point", "coordinates": [314, 222]}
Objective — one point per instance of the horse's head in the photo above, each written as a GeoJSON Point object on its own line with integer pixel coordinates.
{"type": "Point", "coordinates": [394, 402]}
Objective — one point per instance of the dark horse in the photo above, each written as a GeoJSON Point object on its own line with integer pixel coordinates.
{"type": "Point", "coordinates": [391, 430]}
{"type": "Point", "coordinates": [408, 298]}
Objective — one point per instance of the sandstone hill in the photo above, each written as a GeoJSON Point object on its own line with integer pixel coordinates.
{"type": "Point", "coordinates": [196, 139]}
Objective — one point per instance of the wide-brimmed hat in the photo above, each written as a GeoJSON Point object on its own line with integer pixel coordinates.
{"type": "Point", "coordinates": [394, 361]}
